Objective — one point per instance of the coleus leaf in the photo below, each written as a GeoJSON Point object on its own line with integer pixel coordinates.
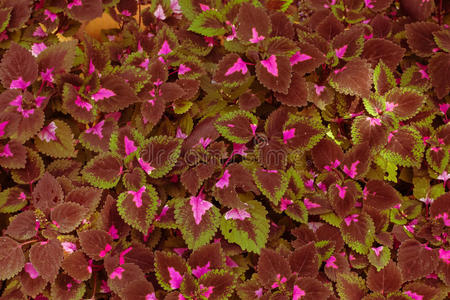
{"type": "Point", "coordinates": [198, 222]}
{"type": "Point", "coordinates": [326, 154]}
{"type": "Point", "coordinates": [354, 78]}
{"type": "Point", "coordinates": [81, 109]}
{"type": "Point", "coordinates": [117, 94]}
{"type": "Point", "coordinates": [419, 36]}
{"type": "Point", "coordinates": [18, 64]}
{"type": "Point", "coordinates": [385, 281]}
{"type": "Point", "coordinates": [302, 133]}
{"type": "Point", "coordinates": [254, 23]}
{"type": "Point", "coordinates": [297, 93]}
{"type": "Point", "coordinates": [217, 284]}
{"type": "Point", "coordinates": [122, 275]}
{"type": "Point", "coordinates": [97, 137]}
{"type": "Point", "coordinates": [88, 10]}
{"type": "Point", "coordinates": [87, 197]}
{"type": "Point", "coordinates": [416, 77]}
{"type": "Point", "coordinates": [350, 286]}
{"type": "Point", "coordinates": [67, 216]}
{"type": "Point", "coordinates": [437, 158]}
{"type": "Point", "coordinates": [125, 142]}
{"type": "Point", "coordinates": [251, 233]}
{"type": "Point", "coordinates": [377, 49]}
{"type": "Point", "coordinates": [383, 78]}
{"type": "Point", "coordinates": [309, 289]}
{"type": "Point", "coordinates": [416, 260]}
{"type": "Point", "coordinates": [77, 266]}
{"type": "Point", "coordinates": [237, 126]}
{"type": "Point", "coordinates": [11, 258]}
{"type": "Point", "coordinates": [329, 27]}
{"type": "Point", "coordinates": [358, 232]}
{"type": "Point", "coordinates": [231, 70]}
{"type": "Point", "coordinates": [158, 155]}
{"type": "Point", "coordinates": [170, 269]}
{"type": "Point", "coordinates": [379, 257]}
{"type": "Point", "coordinates": [59, 57]}
{"type": "Point", "coordinates": [405, 102]}
{"type": "Point", "coordinates": [95, 243]}
{"type": "Point", "coordinates": [103, 171]}
{"type": "Point", "coordinates": [272, 268]}
{"type": "Point", "coordinates": [65, 287]}
{"type": "Point", "coordinates": [380, 195]}
{"type": "Point", "coordinates": [138, 208]}
{"type": "Point", "coordinates": [14, 155]}
{"type": "Point", "coordinates": [282, 46]}
{"type": "Point", "coordinates": [209, 23]}
{"type": "Point", "coordinates": [305, 260]}
{"type": "Point", "coordinates": [442, 39]}
{"type": "Point", "coordinates": [335, 265]}
{"type": "Point", "coordinates": [111, 220]}
{"type": "Point", "coordinates": [46, 258]}
{"type": "Point", "coordinates": [419, 290]}
{"type": "Point", "coordinates": [58, 143]}
{"type": "Point", "coordinates": [34, 169]}
{"type": "Point", "coordinates": [47, 193]}
{"type": "Point", "coordinates": [31, 282]}
{"type": "Point", "coordinates": [22, 226]}
{"type": "Point", "coordinates": [307, 59]}
{"type": "Point", "coordinates": [369, 130]}
{"type": "Point", "coordinates": [139, 289]}
{"type": "Point", "coordinates": [349, 43]}
{"type": "Point", "coordinates": [274, 73]}
{"type": "Point", "coordinates": [5, 15]}
{"type": "Point", "coordinates": [272, 183]}
{"type": "Point", "coordinates": [438, 69]}
{"type": "Point", "coordinates": [209, 256]}
{"type": "Point", "coordinates": [404, 147]}
{"type": "Point", "coordinates": [343, 197]}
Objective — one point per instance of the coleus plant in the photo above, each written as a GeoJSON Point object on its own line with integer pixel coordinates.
{"type": "Point", "coordinates": [234, 149]}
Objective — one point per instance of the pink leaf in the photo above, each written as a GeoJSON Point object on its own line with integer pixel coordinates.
{"type": "Point", "coordinates": [414, 296]}
{"type": "Point", "coordinates": [309, 204]}
{"type": "Point", "coordinates": [49, 15]}
{"type": "Point", "coordinates": [352, 171]}
{"type": "Point", "coordinates": [97, 129]}
{"type": "Point", "coordinates": [377, 250]}
{"type": "Point", "coordinates": [106, 250]}
{"type": "Point", "coordinates": [255, 36]}
{"type": "Point", "coordinates": [151, 296]}
{"type": "Point", "coordinates": [175, 278]}
{"type": "Point", "coordinates": [239, 149]}
{"type": "Point", "coordinates": [145, 166]}
{"type": "Point", "coordinates": [69, 247]}
{"type": "Point", "coordinates": [253, 128]}
{"type": "Point", "coordinates": [113, 232]}
{"type": "Point", "coordinates": [288, 134]}
{"type": "Point", "coordinates": [91, 67]}
{"type": "Point", "coordinates": [31, 270]}
{"type": "Point", "coordinates": [298, 293]}
{"type": "Point", "coordinates": [298, 57]}
{"type": "Point", "coordinates": [175, 7]}
{"type": "Point", "coordinates": [206, 291]}
{"type": "Point", "coordinates": [237, 214]}
{"type": "Point", "coordinates": [159, 13]}
{"type": "Point", "coordinates": [117, 273]}
{"type": "Point", "coordinates": [224, 181]}
{"type": "Point", "coordinates": [341, 51]}
{"type": "Point", "coordinates": [2, 127]}
{"type": "Point", "coordinates": [48, 75]}
{"type": "Point", "coordinates": [443, 107]}
{"type": "Point", "coordinates": [444, 177]}
{"type": "Point", "coordinates": [204, 7]}
{"type": "Point", "coordinates": [137, 196]}
{"type": "Point", "coordinates": [285, 202]}
{"type": "Point", "coordinates": [204, 142]}
{"type": "Point", "coordinates": [180, 134]}
{"type": "Point", "coordinates": [37, 48]}
{"type": "Point", "coordinates": [122, 254]}
{"type": "Point", "coordinates": [319, 89]}
{"type": "Point", "coordinates": [126, 13]}
{"type": "Point", "coordinates": [130, 147]}
{"type": "Point", "coordinates": [199, 207]}
{"type": "Point", "coordinates": [39, 32]}
{"type": "Point", "coordinates": [199, 271]}
{"type": "Point", "coordinates": [444, 255]}
{"type": "Point", "coordinates": [271, 65]}
{"type": "Point", "coordinates": [183, 69]}
{"type": "Point", "coordinates": [102, 94]}
{"type": "Point", "coordinates": [19, 84]}
{"type": "Point", "coordinates": [48, 133]}
{"type": "Point", "coordinates": [374, 121]}
{"type": "Point", "coordinates": [83, 104]}
{"type": "Point", "coordinates": [230, 263]}
{"type": "Point", "coordinates": [337, 71]}
{"type": "Point", "coordinates": [165, 49]}
{"type": "Point", "coordinates": [330, 263]}
{"type": "Point", "coordinates": [6, 151]}
{"type": "Point", "coordinates": [368, 3]}
{"type": "Point", "coordinates": [180, 251]}
{"type": "Point", "coordinates": [352, 218]}
{"type": "Point", "coordinates": [239, 66]}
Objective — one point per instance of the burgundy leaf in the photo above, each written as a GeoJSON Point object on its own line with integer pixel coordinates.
{"type": "Point", "coordinates": [297, 93]}
{"type": "Point", "coordinates": [18, 64]}
{"type": "Point", "coordinates": [439, 68]}
{"type": "Point", "coordinates": [378, 49]}
{"type": "Point", "coordinates": [416, 260]}
{"type": "Point", "coordinates": [77, 266]}
{"type": "Point", "coordinates": [272, 266]}
{"type": "Point", "coordinates": [46, 258]}
{"type": "Point", "coordinates": [420, 37]}
{"type": "Point", "coordinates": [22, 227]}
{"type": "Point", "coordinates": [380, 195]}
{"type": "Point", "coordinates": [95, 243]}
{"type": "Point", "coordinates": [47, 193]}
{"type": "Point", "coordinates": [67, 216]}
{"type": "Point", "coordinates": [305, 260]}
{"type": "Point", "coordinates": [11, 258]}
{"type": "Point", "coordinates": [385, 281]}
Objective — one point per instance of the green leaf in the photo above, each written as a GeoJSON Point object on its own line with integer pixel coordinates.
{"type": "Point", "coordinates": [236, 126]}
{"type": "Point", "coordinates": [331, 218]}
{"type": "Point", "coordinates": [250, 234]}
{"type": "Point", "coordinates": [381, 260]}
{"type": "Point", "coordinates": [62, 147]}
{"type": "Point", "coordinates": [103, 171]}
{"type": "Point", "coordinates": [389, 168]}
{"type": "Point", "coordinates": [383, 78]}
{"type": "Point", "coordinates": [195, 235]}
{"type": "Point", "coordinates": [209, 23]}
{"type": "Point", "coordinates": [5, 15]}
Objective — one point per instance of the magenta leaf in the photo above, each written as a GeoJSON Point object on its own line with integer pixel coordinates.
{"type": "Point", "coordinates": [224, 181]}
{"type": "Point", "coordinates": [271, 65]}
{"type": "Point", "coordinates": [97, 129]}
{"type": "Point", "coordinates": [340, 52]}
{"type": "Point", "coordinates": [165, 48]}
{"type": "Point", "coordinates": [103, 93]}
{"type": "Point", "coordinates": [137, 196]}
{"type": "Point", "coordinates": [19, 84]}
{"type": "Point", "coordinates": [199, 271]}
{"type": "Point", "coordinates": [239, 66]}
{"type": "Point", "coordinates": [129, 146]}
{"type": "Point", "coordinates": [255, 36]}
{"type": "Point", "coordinates": [48, 133]}
{"type": "Point", "coordinates": [175, 278]}
{"type": "Point", "coordinates": [199, 206]}
{"type": "Point", "coordinates": [237, 214]}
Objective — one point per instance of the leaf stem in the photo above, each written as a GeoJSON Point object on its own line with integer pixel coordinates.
{"type": "Point", "coordinates": [29, 242]}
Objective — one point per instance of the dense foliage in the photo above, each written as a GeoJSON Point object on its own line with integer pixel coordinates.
{"type": "Point", "coordinates": [208, 149]}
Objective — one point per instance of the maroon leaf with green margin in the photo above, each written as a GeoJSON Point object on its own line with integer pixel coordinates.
{"type": "Point", "coordinates": [329, 27]}
{"type": "Point", "coordinates": [358, 232]}
{"type": "Point", "coordinates": [58, 57]}
{"type": "Point", "coordinates": [164, 261]}
{"type": "Point", "coordinates": [272, 183]}
{"type": "Point", "coordinates": [11, 258]}
{"type": "Point", "coordinates": [111, 219]}
{"type": "Point", "coordinates": [123, 96]}
{"type": "Point", "coordinates": [47, 194]}
{"type": "Point", "coordinates": [352, 41]}
{"type": "Point", "coordinates": [311, 289]}
{"type": "Point", "coordinates": [31, 286]}
{"type": "Point", "coordinates": [67, 216]}
{"type": "Point", "coordinates": [88, 10]}
{"type": "Point", "coordinates": [139, 289]}
{"type": "Point", "coordinates": [103, 171]}
{"type": "Point", "coordinates": [62, 146]}
{"type": "Point", "coordinates": [405, 102]}
{"type": "Point", "coordinates": [196, 235]}
{"type": "Point", "coordinates": [437, 158]}
{"type": "Point", "coordinates": [379, 5]}
{"type": "Point", "coordinates": [439, 67]}
{"type": "Point", "coordinates": [77, 266]}
{"type": "Point", "coordinates": [95, 243]}
{"type": "Point", "coordinates": [334, 265]}
{"type": "Point", "coordinates": [421, 289]}
{"type": "Point", "coordinates": [231, 69]}
{"type": "Point", "coordinates": [442, 39]}
{"type": "Point", "coordinates": [65, 287]}
{"type": "Point", "coordinates": [385, 281]}
{"type": "Point", "coordinates": [85, 196]}
{"type": "Point", "coordinates": [17, 158]}
{"type": "Point", "coordinates": [12, 199]}
{"type": "Point", "coordinates": [416, 260]}
{"type": "Point", "coordinates": [5, 15]}
{"type": "Point", "coordinates": [354, 78]}
{"type": "Point", "coordinates": [326, 153]}
{"type": "Point", "coordinates": [420, 37]}
{"type": "Point", "coordinates": [33, 170]}
{"type": "Point", "coordinates": [220, 282]}
{"type": "Point", "coordinates": [272, 267]}
{"type": "Point", "coordinates": [369, 130]}
{"type": "Point", "coordinates": [343, 197]}
{"type": "Point", "coordinates": [98, 140]}
{"type": "Point", "coordinates": [138, 215]}
{"type": "Point", "coordinates": [252, 20]}
{"type": "Point", "coordinates": [377, 49]}
{"type": "Point", "coordinates": [350, 286]}
{"type": "Point", "coordinates": [22, 226]}
{"type": "Point", "coordinates": [18, 64]}
{"type": "Point", "coordinates": [380, 195]}
{"type": "Point", "coordinates": [301, 133]}
{"type": "Point", "coordinates": [237, 126]}
{"type": "Point", "coordinates": [209, 23]}
{"type": "Point", "coordinates": [46, 258]}
{"type": "Point", "coordinates": [121, 276]}
{"type": "Point", "coordinates": [211, 254]}
{"type": "Point", "coordinates": [297, 93]}
{"type": "Point", "coordinates": [307, 59]}
{"type": "Point", "coordinates": [78, 107]}
{"type": "Point", "coordinates": [305, 261]}
{"type": "Point", "coordinates": [274, 73]}
{"type": "Point", "coordinates": [383, 78]}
